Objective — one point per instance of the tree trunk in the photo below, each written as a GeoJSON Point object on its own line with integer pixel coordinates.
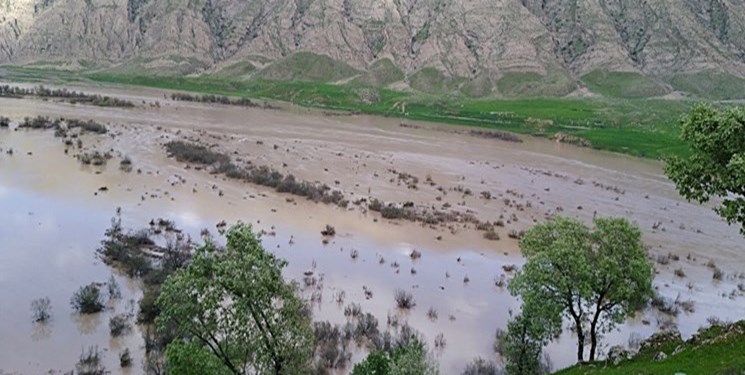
{"type": "Point", "coordinates": [593, 340]}
{"type": "Point", "coordinates": [580, 337]}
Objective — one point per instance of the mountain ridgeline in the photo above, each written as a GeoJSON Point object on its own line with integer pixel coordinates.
{"type": "Point", "coordinates": [478, 48]}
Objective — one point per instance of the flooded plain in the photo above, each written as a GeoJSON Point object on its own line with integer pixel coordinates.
{"type": "Point", "coordinates": [53, 215]}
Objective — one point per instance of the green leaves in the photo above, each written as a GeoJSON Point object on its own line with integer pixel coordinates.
{"type": "Point", "coordinates": [234, 304]}
{"type": "Point", "coordinates": [717, 166]}
{"type": "Point", "coordinates": [594, 277]}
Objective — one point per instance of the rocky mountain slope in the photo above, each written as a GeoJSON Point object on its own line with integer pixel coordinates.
{"type": "Point", "coordinates": [501, 48]}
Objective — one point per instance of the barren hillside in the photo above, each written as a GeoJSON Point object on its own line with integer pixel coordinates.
{"type": "Point", "coordinates": [501, 48]}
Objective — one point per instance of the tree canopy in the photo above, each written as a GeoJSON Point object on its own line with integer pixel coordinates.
{"type": "Point", "coordinates": [234, 313]}
{"type": "Point", "coordinates": [716, 167]}
{"type": "Point", "coordinates": [597, 278]}
{"type": "Point", "coordinates": [409, 358]}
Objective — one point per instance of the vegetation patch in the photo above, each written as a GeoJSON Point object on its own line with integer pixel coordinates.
{"type": "Point", "coordinates": [623, 84]}
{"type": "Point", "coordinates": [307, 66]}
{"type": "Point", "coordinates": [712, 351]}
{"type": "Point", "coordinates": [73, 97]}
{"type": "Point", "coordinates": [433, 81]}
{"type": "Point", "coordinates": [710, 85]}
{"type": "Point", "coordinates": [533, 85]}
{"type": "Point", "coordinates": [381, 73]}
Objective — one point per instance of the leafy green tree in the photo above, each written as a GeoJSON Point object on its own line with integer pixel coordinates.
{"type": "Point", "coordinates": [191, 358]}
{"type": "Point", "coordinates": [234, 304]}
{"type": "Point", "coordinates": [521, 347]}
{"type": "Point", "coordinates": [408, 358]}
{"type": "Point", "coordinates": [717, 166]}
{"type": "Point", "coordinates": [595, 278]}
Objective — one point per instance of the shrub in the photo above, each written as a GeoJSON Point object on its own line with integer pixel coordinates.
{"type": "Point", "coordinates": [404, 299]}
{"type": "Point", "coordinates": [491, 235]}
{"type": "Point", "coordinates": [680, 273]}
{"type": "Point", "coordinates": [87, 126]}
{"type": "Point", "coordinates": [432, 314]}
{"type": "Point", "coordinates": [87, 299]}
{"type": "Point", "coordinates": [41, 310]}
{"type": "Point", "coordinates": [119, 325]}
{"type": "Point", "coordinates": [665, 305]}
{"type": "Point", "coordinates": [440, 341]}
{"type": "Point", "coordinates": [94, 158]}
{"type": "Point", "coordinates": [366, 328]}
{"type": "Point", "coordinates": [328, 231]}
{"type": "Point", "coordinates": [330, 347]}
{"type": "Point", "coordinates": [4, 122]}
{"type": "Point", "coordinates": [193, 153]}
{"type": "Point", "coordinates": [90, 362]}
{"type": "Point", "coordinates": [353, 310]}
{"type": "Point", "coordinates": [115, 291]}
{"type": "Point", "coordinates": [480, 366]}
{"type": "Point", "coordinates": [125, 359]}
{"type": "Point", "coordinates": [126, 164]}
{"type": "Point", "coordinates": [718, 274]}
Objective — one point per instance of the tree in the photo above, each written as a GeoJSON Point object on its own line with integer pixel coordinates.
{"type": "Point", "coordinates": [595, 278]}
{"type": "Point", "coordinates": [716, 168]}
{"type": "Point", "coordinates": [234, 305]}
{"type": "Point", "coordinates": [408, 357]}
{"type": "Point", "coordinates": [522, 345]}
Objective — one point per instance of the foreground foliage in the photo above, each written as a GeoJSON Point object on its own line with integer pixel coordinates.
{"type": "Point", "coordinates": [234, 312]}
{"type": "Point", "coordinates": [717, 350]}
{"type": "Point", "coordinates": [595, 278]}
{"type": "Point", "coordinates": [717, 166]}
{"type": "Point", "coordinates": [408, 359]}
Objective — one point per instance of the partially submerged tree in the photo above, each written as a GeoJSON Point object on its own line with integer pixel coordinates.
{"type": "Point", "coordinates": [235, 312]}
{"type": "Point", "coordinates": [716, 167]}
{"type": "Point", "coordinates": [595, 278]}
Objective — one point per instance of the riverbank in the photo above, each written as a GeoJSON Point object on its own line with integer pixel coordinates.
{"type": "Point", "coordinates": [646, 128]}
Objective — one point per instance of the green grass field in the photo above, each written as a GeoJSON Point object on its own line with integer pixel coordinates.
{"type": "Point", "coordinates": [640, 127]}
{"type": "Point", "coordinates": [724, 357]}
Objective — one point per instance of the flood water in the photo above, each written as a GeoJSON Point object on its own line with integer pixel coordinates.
{"type": "Point", "coordinates": [52, 219]}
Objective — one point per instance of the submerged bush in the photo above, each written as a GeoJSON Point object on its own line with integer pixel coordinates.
{"type": "Point", "coordinates": [41, 310]}
{"type": "Point", "coordinates": [404, 299]}
{"type": "Point", "coordinates": [119, 325]}
{"type": "Point", "coordinates": [87, 299]}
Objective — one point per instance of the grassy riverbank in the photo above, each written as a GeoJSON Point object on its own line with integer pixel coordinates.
{"type": "Point", "coordinates": [640, 127]}
{"type": "Point", "coordinates": [716, 351]}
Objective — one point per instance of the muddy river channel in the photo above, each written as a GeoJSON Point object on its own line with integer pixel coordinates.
{"type": "Point", "coordinates": [54, 212]}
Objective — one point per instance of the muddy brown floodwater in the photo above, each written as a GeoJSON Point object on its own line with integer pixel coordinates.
{"type": "Point", "coordinates": [52, 218]}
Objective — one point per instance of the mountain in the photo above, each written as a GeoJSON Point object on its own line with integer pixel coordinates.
{"type": "Point", "coordinates": [480, 48]}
